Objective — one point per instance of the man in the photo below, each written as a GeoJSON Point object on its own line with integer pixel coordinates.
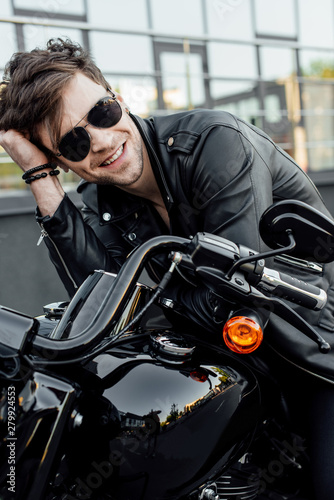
{"type": "Point", "coordinates": [194, 171]}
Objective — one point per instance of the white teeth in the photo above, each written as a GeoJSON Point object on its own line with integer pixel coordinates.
{"type": "Point", "coordinates": [114, 157]}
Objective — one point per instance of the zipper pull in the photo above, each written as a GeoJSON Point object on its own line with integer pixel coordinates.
{"type": "Point", "coordinates": [42, 236]}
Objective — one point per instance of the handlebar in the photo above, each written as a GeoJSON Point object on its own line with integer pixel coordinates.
{"type": "Point", "coordinates": [239, 273]}
{"type": "Point", "coordinates": [209, 250]}
{"type": "Point", "coordinates": [292, 289]}
{"type": "Point", "coordinates": [211, 254]}
{"type": "Point", "coordinates": [98, 325]}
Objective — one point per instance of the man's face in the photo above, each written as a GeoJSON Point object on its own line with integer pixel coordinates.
{"type": "Point", "coordinates": [116, 153]}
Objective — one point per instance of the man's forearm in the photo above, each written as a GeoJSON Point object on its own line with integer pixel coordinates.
{"type": "Point", "coordinates": [73, 245]}
{"type": "Point", "coordinates": [47, 190]}
{"type": "Point", "coordinates": [48, 194]}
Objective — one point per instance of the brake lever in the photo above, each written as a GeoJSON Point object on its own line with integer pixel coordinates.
{"type": "Point", "coordinates": [287, 313]}
{"type": "Point", "coordinates": [236, 288]}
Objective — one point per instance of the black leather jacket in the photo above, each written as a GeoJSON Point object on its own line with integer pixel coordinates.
{"type": "Point", "coordinates": [216, 173]}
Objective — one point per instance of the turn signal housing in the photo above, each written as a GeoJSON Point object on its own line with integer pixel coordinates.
{"type": "Point", "coordinates": [242, 335]}
{"type": "Point", "coordinates": [199, 376]}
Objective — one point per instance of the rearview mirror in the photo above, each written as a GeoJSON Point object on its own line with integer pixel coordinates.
{"type": "Point", "coordinates": [312, 231]}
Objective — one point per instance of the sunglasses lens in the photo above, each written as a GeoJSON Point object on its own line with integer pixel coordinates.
{"type": "Point", "coordinates": [75, 145]}
{"type": "Point", "coordinates": [106, 113]}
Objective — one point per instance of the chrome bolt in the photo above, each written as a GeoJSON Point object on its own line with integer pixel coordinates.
{"type": "Point", "coordinates": [209, 494]}
{"type": "Point", "coordinates": [77, 419]}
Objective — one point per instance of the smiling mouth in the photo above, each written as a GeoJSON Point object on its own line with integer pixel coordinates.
{"type": "Point", "coordinates": [114, 157]}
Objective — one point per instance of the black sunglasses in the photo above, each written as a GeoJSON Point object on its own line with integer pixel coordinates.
{"type": "Point", "coordinates": [75, 145]}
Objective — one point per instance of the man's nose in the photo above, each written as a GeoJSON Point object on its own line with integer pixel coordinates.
{"type": "Point", "coordinates": [100, 138]}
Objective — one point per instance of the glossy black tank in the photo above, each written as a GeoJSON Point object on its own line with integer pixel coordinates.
{"type": "Point", "coordinates": [171, 421]}
{"type": "Point", "coordinates": [156, 417]}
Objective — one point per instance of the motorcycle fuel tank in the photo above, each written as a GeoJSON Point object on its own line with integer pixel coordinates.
{"type": "Point", "coordinates": [177, 415]}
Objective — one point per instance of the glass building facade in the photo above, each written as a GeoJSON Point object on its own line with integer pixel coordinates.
{"type": "Point", "coordinates": [269, 62]}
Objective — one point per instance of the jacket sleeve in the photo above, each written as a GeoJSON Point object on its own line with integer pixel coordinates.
{"type": "Point", "coordinates": [237, 174]}
{"type": "Point", "coordinates": [235, 178]}
{"type": "Point", "coordinates": [231, 187]}
{"type": "Point", "coordinates": [74, 248]}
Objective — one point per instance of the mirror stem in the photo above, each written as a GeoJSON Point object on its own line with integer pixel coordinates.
{"type": "Point", "coordinates": [238, 263]}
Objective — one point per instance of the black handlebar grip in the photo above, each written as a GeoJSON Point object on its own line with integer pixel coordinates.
{"type": "Point", "coordinates": [292, 289]}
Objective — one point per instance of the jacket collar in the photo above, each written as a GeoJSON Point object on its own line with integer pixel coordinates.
{"type": "Point", "coordinates": [115, 204]}
{"type": "Point", "coordinates": [148, 133]}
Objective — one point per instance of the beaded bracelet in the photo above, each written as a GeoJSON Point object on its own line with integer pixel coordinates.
{"type": "Point", "coordinates": [39, 167]}
{"type": "Point", "coordinates": [33, 178]}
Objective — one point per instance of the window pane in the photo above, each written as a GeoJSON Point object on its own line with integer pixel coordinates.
{"type": "Point", "coordinates": [11, 177]}
{"type": "Point", "coordinates": [221, 90]}
{"type": "Point", "coordinates": [140, 94]}
{"type": "Point", "coordinates": [8, 42]}
{"type": "Point", "coordinates": [238, 98]}
{"type": "Point", "coordinates": [10, 174]}
{"type": "Point", "coordinates": [129, 14]}
{"type": "Point", "coordinates": [232, 60]}
{"type": "Point", "coordinates": [275, 18]}
{"type": "Point", "coordinates": [277, 63]}
{"type": "Point", "coordinates": [177, 17]}
{"type": "Point", "coordinates": [318, 113]}
{"type": "Point", "coordinates": [273, 108]}
{"type": "Point", "coordinates": [280, 102]}
{"type": "Point", "coordinates": [53, 6]}
{"type": "Point", "coordinates": [122, 53]}
{"type": "Point", "coordinates": [182, 80]}
{"type": "Point", "coordinates": [37, 36]}
{"type": "Point", "coordinates": [230, 20]}
{"type": "Point", "coordinates": [316, 25]}
{"type": "Point", "coordinates": [317, 63]}
{"type": "Point", "coordinates": [6, 8]}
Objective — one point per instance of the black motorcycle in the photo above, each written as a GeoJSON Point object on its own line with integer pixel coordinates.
{"type": "Point", "coordinates": [115, 395]}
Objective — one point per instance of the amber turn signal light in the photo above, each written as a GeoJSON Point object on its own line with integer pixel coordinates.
{"type": "Point", "coordinates": [242, 335]}
{"type": "Point", "coordinates": [198, 376]}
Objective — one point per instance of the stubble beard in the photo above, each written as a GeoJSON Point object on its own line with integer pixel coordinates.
{"type": "Point", "coordinates": [127, 174]}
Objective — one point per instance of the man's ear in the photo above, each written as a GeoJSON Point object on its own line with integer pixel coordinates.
{"type": "Point", "coordinates": [54, 159]}
{"type": "Point", "coordinates": [119, 97]}
{"type": "Point", "coordinates": [121, 100]}
{"type": "Point", "coordinates": [63, 167]}
{"type": "Point", "coordinates": [50, 155]}
{"type": "Point", "coordinates": [61, 164]}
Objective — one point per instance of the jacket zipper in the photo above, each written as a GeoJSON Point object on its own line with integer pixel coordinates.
{"type": "Point", "coordinates": [45, 234]}
{"type": "Point", "coordinates": [156, 159]}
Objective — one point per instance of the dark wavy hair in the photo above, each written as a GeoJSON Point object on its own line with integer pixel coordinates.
{"type": "Point", "coordinates": [33, 82]}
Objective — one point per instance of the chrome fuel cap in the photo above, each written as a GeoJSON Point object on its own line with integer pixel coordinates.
{"type": "Point", "coordinates": [172, 346]}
